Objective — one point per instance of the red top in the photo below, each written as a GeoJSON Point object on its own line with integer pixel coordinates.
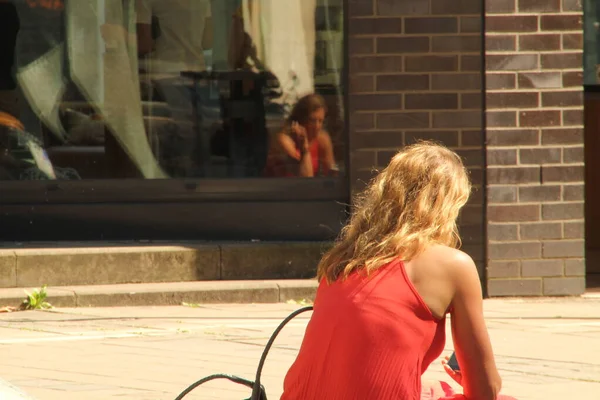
{"type": "Point", "coordinates": [277, 166]}
{"type": "Point", "coordinates": [368, 338]}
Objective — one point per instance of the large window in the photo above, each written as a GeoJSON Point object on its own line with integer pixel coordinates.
{"type": "Point", "coordinates": [591, 43]}
{"type": "Point", "coordinates": [173, 89]}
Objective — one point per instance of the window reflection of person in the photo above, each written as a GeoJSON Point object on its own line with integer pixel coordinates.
{"type": "Point", "coordinates": [185, 28]}
{"type": "Point", "coordinates": [303, 148]}
{"type": "Point", "coordinates": [9, 28]}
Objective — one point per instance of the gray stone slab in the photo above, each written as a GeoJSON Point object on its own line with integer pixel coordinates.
{"type": "Point", "coordinates": [114, 265]}
{"type": "Point", "coordinates": [8, 269]}
{"type": "Point", "coordinates": [297, 260]}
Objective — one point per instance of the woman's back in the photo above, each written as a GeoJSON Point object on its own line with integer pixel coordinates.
{"type": "Point", "coordinates": [369, 338]}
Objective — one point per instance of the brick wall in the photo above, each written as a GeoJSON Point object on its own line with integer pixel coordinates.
{"type": "Point", "coordinates": [535, 147]}
{"type": "Point", "coordinates": [415, 73]}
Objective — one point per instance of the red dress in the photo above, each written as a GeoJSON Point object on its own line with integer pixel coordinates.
{"type": "Point", "coordinates": [368, 339]}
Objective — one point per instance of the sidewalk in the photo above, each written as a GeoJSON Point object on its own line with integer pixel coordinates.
{"type": "Point", "coordinates": [546, 349]}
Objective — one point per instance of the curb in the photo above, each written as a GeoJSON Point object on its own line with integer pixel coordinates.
{"type": "Point", "coordinates": [172, 293]}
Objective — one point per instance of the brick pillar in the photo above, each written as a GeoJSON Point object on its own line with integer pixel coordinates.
{"type": "Point", "coordinates": [415, 73]}
{"type": "Point", "coordinates": [535, 147]}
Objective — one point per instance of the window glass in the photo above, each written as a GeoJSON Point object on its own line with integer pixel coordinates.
{"type": "Point", "coordinates": [591, 42]}
{"type": "Point", "coordinates": [161, 89]}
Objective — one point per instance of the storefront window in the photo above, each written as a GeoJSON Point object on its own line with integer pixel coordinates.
{"type": "Point", "coordinates": [173, 89]}
{"type": "Point", "coordinates": [591, 43]}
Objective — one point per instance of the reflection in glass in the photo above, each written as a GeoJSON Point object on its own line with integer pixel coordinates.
{"type": "Point", "coordinates": [183, 88]}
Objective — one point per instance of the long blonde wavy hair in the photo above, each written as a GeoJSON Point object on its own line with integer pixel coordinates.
{"type": "Point", "coordinates": [413, 203]}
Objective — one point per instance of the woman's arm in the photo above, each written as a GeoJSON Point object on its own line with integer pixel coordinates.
{"type": "Point", "coordinates": [301, 156]}
{"type": "Point", "coordinates": [480, 378]}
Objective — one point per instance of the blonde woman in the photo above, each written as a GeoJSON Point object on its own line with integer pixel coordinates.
{"type": "Point", "coordinates": [387, 286]}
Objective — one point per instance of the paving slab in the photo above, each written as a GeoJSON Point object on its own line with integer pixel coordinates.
{"type": "Point", "coordinates": [545, 349]}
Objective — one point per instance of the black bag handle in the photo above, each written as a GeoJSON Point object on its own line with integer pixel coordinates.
{"type": "Point", "coordinates": [258, 391]}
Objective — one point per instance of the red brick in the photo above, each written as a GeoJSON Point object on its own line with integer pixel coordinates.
{"type": "Point", "coordinates": [403, 45]}
{"type": "Point", "coordinates": [376, 64]}
{"type": "Point", "coordinates": [377, 140]}
{"type": "Point", "coordinates": [462, 81]}
{"type": "Point", "coordinates": [472, 101]}
{"type": "Point", "coordinates": [539, 6]}
{"type": "Point", "coordinates": [472, 138]}
{"type": "Point", "coordinates": [572, 41]}
{"type": "Point", "coordinates": [511, 23]}
{"type": "Point", "coordinates": [562, 60]}
{"type": "Point", "coordinates": [513, 213]}
{"type": "Point", "coordinates": [375, 26]}
{"type": "Point", "coordinates": [456, 119]}
{"type": "Point", "coordinates": [459, 43]}
{"type": "Point", "coordinates": [562, 174]}
{"type": "Point", "coordinates": [503, 232]}
{"type": "Point", "coordinates": [472, 157]}
{"type": "Point", "coordinates": [431, 63]}
{"type": "Point", "coordinates": [562, 99]}
{"type": "Point", "coordinates": [562, 211]}
{"type": "Point", "coordinates": [362, 121]}
{"type": "Point", "coordinates": [572, 78]}
{"type": "Point", "coordinates": [503, 269]}
{"type": "Point", "coordinates": [361, 8]}
{"type": "Point", "coordinates": [572, 117]}
{"type": "Point", "coordinates": [456, 7]}
{"type": "Point", "coordinates": [448, 138]}
{"type": "Point", "coordinates": [542, 268]}
{"type": "Point", "coordinates": [573, 155]}
{"type": "Point", "coordinates": [400, 120]}
{"type": "Point", "coordinates": [500, 43]}
{"type": "Point", "coordinates": [514, 287]}
{"type": "Point", "coordinates": [470, 63]}
{"type": "Point", "coordinates": [512, 62]}
{"type": "Point", "coordinates": [470, 24]}
{"type": "Point", "coordinates": [512, 100]}
{"type": "Point", "coordinates": [514, 137]}
{"type": "Point", "coordinates": [361, 45]}
{"type": "Point", "coordinates": [563, 248]}
{"type": "Point", "coordinates": [536, 42]}
{"type": "Point", "coordinates": [539, 193]}
{"type": "Point", "coordinates": [363, 159]}
{"type": "Point", "coordinates": [573, 192]}
{"type": "Point", "coordinates": [539, 118]}
{"type": "Point", "coordinates": [502, 157]}
{"type": "Point", "coordinates": [431, 101]}
{"type": "Point", "coordinates": [561, 22]}
{"type": "Point", "coordinates": [362, 84]}
{"type": "Point", "coordinates": [375, 102]}
{"type": "Point", "coordinates": [540, 80]}
{"type": "Point", "coordinates": [572, 5]}
{"type": "Point", "coordinates": [515, 250]}
{"type": "Point", "coordinates": [500, 176]}
{"type": "Point", "coordinates": [402, 82]}
{"type": "Point", "coordinates": [430, 25]}
{"type": "Point", "coordinates": [500, 7]}
{"type": "Point", "coordinates": [501, 194]}
{"type": "Point", "coordinates": [541, 231]}
{"type": "Point", "coordinates": [402, 8]}
{"type": "Point", "coordinates": [574, 230]}
{"type": "Point", "coordinates": [501, 119]}
{"type": "Point", "coordinates": [495, 81]}
{"type": "Point", "coordinates": [540, 156]}
{"type": "Point", "coordinates": [562, 136]}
